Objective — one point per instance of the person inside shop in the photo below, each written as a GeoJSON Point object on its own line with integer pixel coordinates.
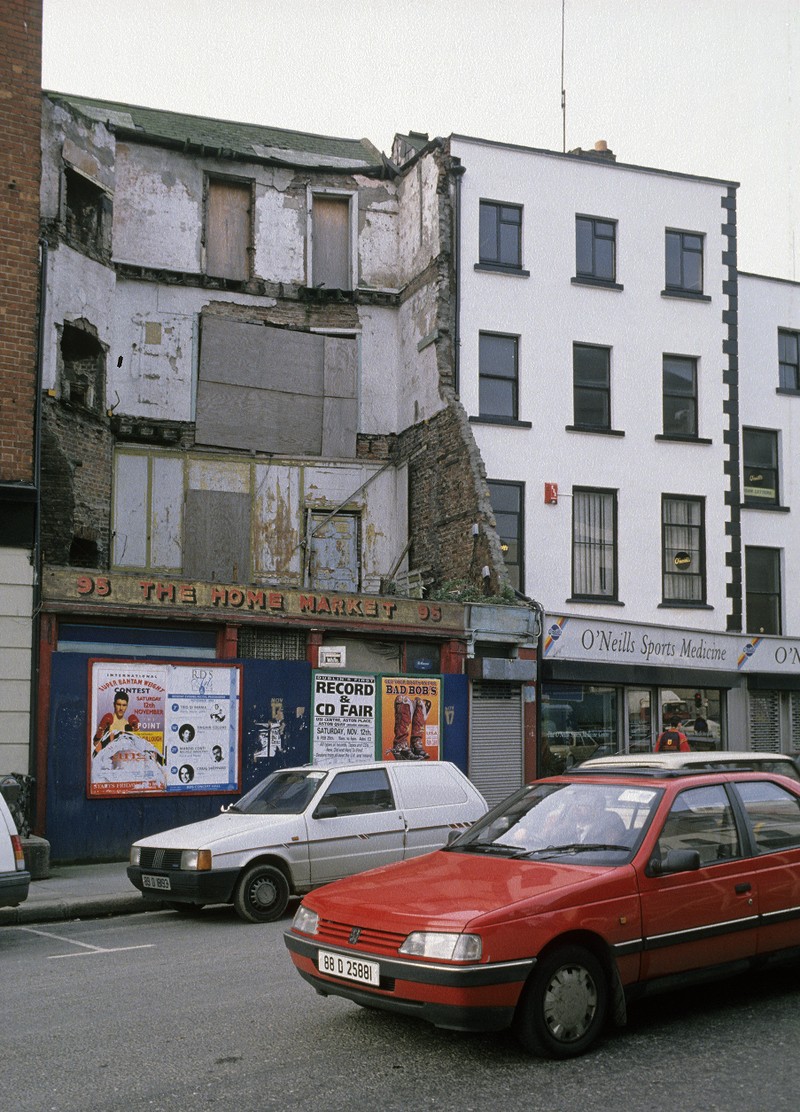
{"type": "Point", "coordinates": [111, 725]}
{"type": "Point", "coordinates": [673, 739]}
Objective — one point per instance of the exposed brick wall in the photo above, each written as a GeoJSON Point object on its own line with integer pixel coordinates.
{"type": "Point", "coordinates": [20, 159]}
{"type": "Point", "coordinates": [77, 453]}
{"type": "Point", "coordinates": [447, 496]}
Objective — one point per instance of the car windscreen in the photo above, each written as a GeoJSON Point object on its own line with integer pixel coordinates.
{"type": "Point", "coordinates": [282, 793]}
{"type": "Point", "coordinates": [581, 823]}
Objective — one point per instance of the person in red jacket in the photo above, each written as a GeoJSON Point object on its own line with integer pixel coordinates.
{"type": "Point", "coordinates": [672, 740]}
{"type": "Point", "coordinates": [119, 722]}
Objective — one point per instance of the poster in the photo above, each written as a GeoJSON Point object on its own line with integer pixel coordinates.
{"type": "Point", "coordinates": [410, 717]}
{"type": "Point", "coordinates": [344, 718]}
{"type": "Point", "coordinates": [162, 728]}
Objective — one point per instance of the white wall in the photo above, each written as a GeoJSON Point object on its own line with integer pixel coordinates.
{"type": "Point", "coordinates": [549, 313]}
{"type": "Point", "coordinates": [766, 305]}
{"type": "Point", "coordinates": [16, 625]}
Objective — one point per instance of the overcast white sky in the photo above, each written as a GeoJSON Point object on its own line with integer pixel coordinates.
{"type": "Point", "coordinates": [709, 87]}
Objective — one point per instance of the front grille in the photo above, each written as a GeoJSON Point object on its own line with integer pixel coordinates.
{"type": "Point", "coordinates": [160, 858]}
{"type": "Point", "coordinates": [373, 941]}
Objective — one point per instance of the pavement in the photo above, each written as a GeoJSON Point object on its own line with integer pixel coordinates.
{"type": "Point", "coordinates": [79, 892]}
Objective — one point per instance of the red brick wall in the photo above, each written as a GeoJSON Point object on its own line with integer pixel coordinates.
{"type": "Point", "coordinates": [20, 160]}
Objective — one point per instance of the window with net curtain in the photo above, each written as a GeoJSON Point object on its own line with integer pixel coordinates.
{"type": "Point", "coordinates": [594, 543]}
{"type": "Point", "coordinates": [683, 550]}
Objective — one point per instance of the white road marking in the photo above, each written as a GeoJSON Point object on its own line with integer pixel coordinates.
{"type": "Point", "coordinates": [87, 946]}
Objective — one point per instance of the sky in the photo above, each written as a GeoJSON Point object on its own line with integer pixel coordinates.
{"type": "Point", "coordinates": [706, 87]}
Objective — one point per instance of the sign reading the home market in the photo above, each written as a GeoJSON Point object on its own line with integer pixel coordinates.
{"type": "Point", "coordinates": [171, 596]}
{"type": "Point", "coordinates": [343, 718]}
{"type": "Point", "coordinates": [160, 729]}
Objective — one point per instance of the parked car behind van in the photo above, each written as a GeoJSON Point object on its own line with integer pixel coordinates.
{"type": "Point", "coordinates": [303, 827]}
{"type": "Point", "coordinates": [731, 760]}
{"type": "Point", "coordinates": [15, 879]}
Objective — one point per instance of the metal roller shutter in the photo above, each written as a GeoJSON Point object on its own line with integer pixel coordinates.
{"type": "Point", "coordinates": [495, 745]}
{"type": "Point", "coordinates": [765, 721]}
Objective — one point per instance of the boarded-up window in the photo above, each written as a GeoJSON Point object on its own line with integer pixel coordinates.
{"type": "Point", "coordinates": [333, 552]}
{"type": "Point", "coordinates": [276, 390]}
{"type": "Point", "coordinates": [330, 246]}
{"type": "Point", "coordinates": [228, 230]}
{"type": "Point", "coordinates": [217, 536]}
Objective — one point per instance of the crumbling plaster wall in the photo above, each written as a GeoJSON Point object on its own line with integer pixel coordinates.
{"type": "Point", "coordinates": [78, 289]}
{"type": "Point", "coordinates": [72, 139]}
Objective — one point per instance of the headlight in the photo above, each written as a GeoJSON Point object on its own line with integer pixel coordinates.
{"type": "Point", "coordinates": [447, 947]}
{"type": "Point", "coordinates": [305, 920]}
{"type": "Point", "coordinates": [136, 855]}
{"type": "Point", "coordinates": [196, 859]}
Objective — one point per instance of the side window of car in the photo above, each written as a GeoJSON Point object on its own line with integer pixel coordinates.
{"type": "Point", "coordinates": [701, 819]}
{"type": "Point", "coordinates": [360, 792]}
{"type": "Point", "coordinates": [774, 814]}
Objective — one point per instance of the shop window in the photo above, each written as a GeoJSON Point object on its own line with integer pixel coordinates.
{"type": "Point", "coordinates": [683, 550]}
{"type": "Point", "coordinates": [763, 589]}
{"type": "Point", "coordinates": [330, 242]}
{"type": "Point", "coordinates": [578, 721]}
{"type": "Point", "coordinates": [508, 503]}
{"type": "Point", "coordinates": [698, 711]}
{"type": "Point", "coordinates": [271, 644]}
{"type": "Point", "coordinates": [760, 462]}
{"type": "Point", "coordinates": [228, 229]}
{"type": "Point", "coordinates": [594, 543]}
{"type": "Point", "coordinates": [87, 215]}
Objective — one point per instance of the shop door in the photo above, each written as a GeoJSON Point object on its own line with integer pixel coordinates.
{"type": "Point", "coordinates": [495, 741]}
{"type": "Point", "coordinates": [639, 725]}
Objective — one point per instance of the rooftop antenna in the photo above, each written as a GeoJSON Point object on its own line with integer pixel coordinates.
{"type": "Point", "coordinates": [563, 90]}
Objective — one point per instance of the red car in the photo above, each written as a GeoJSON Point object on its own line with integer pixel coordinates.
{"type": "Point", "coordinates": [573, 897]}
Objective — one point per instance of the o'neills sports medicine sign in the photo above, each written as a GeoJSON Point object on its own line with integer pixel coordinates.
{"type": "Point", "coordinates": [623, 643]}
{"type": "Point", "coordinates": [62, 586]}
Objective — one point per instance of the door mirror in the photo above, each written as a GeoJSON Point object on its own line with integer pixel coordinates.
{"type": "Point", "coordinates": [326, 811]}
{"type": "Point", "coordinates": [676, 861]}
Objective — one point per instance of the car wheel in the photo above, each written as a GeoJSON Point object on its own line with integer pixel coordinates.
{"type": "Point", "coordinates": [261, 895]}
{"type": "Point", "coordinates": [563, 1008]}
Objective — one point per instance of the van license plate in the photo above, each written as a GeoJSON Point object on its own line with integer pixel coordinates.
{"type": "Point", "coordinates": [160, 882]}
{"type": "Point", "coordinates": [351, 969]}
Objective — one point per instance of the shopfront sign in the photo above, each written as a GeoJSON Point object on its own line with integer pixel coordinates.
{"type": "Point", "coordinates": [174, 596]}
{"type": "Point", "coordinates": [620, 643]}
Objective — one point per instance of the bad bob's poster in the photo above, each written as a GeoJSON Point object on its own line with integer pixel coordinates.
{"type": "Point", "coordinates": [410, 725]}
{"type": "Point", "coordinates": [163, 729]}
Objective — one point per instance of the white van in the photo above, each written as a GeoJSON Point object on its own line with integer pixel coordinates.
{"type": "Point", "coordinates": [302, 827]}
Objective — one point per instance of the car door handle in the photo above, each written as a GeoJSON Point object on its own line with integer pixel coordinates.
{"type": "Point", "coordinates": [741, 889]}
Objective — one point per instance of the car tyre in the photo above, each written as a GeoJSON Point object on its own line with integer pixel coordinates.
{"type": "Point", "coordinates": [563, 1008]}
{"type": "Point", "coordinates": [261, 895]}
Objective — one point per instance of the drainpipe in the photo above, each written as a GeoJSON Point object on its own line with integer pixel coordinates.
{"type": "Point", "coordinates": [37, 528]}
{"type": "Point", "coordinates": [457, 172]}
